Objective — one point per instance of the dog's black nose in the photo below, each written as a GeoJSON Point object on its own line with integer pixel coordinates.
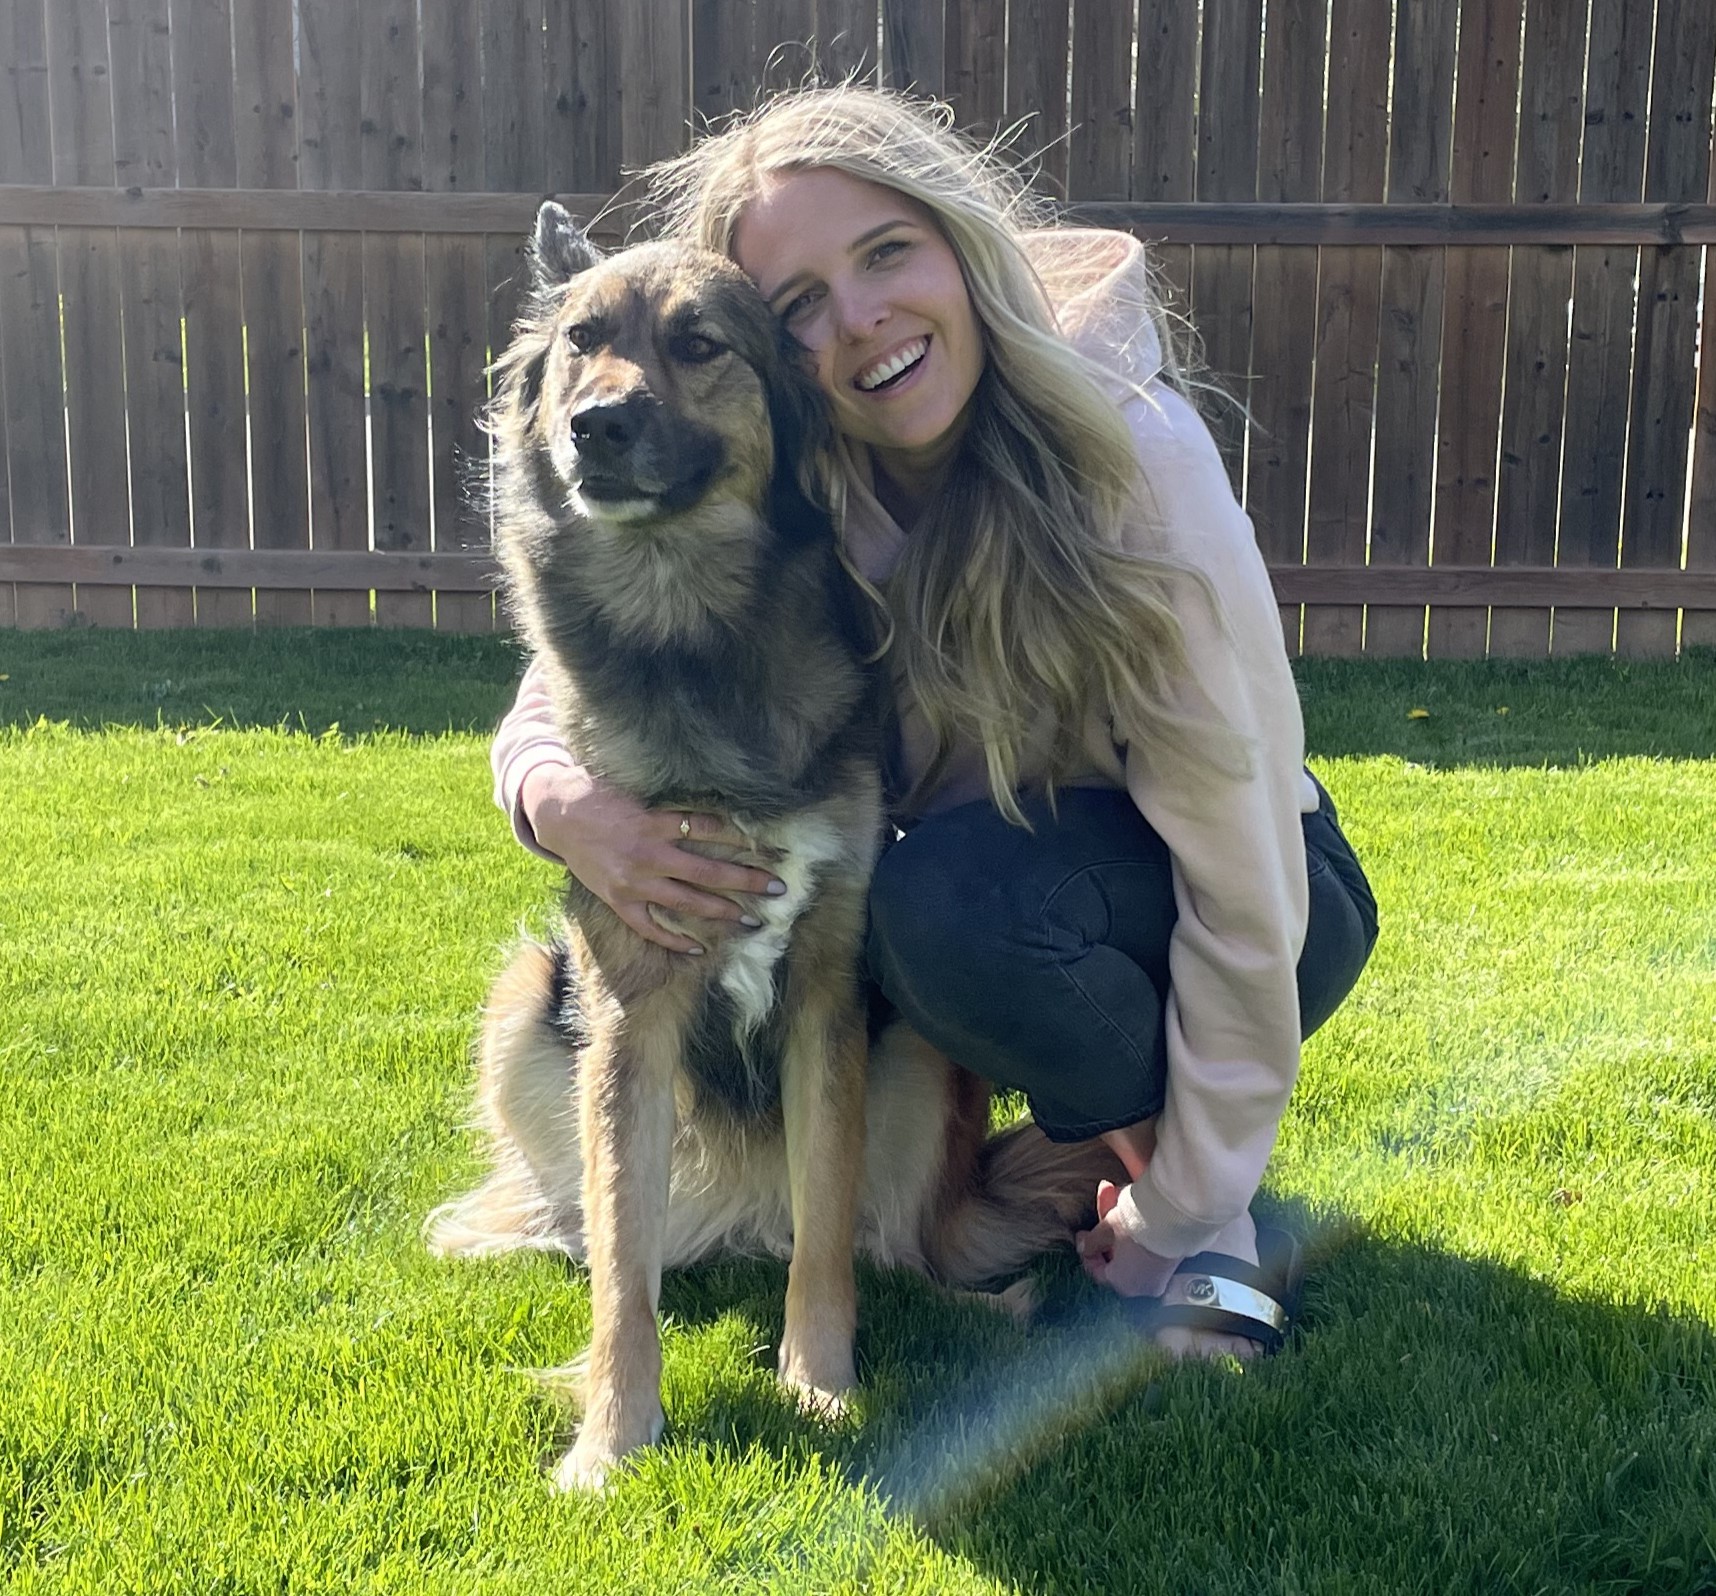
{"type": "Point", "coordinates": [608, 430]}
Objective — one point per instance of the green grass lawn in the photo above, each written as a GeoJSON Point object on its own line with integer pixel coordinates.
{"type": "Point", "coordinates": [253, 892]}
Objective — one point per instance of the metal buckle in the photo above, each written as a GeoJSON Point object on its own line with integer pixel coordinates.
{"type": "Point", "coordinates": [1229, 1296]}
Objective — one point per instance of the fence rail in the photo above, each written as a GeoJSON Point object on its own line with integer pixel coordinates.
{"type": "Point", "coordinates": [255, 255]}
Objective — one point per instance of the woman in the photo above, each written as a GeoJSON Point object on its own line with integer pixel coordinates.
{"type": "Point", "coordinates": [1119, 890]}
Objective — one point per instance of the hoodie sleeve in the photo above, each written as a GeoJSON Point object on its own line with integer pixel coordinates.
{"type": "Point", "coordinates": [527, 740]}
{"type": "Point", "coordinates": [1238, 852]}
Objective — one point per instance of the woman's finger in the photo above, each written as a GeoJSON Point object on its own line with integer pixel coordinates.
{"type": "Point", "coordinates": [678, 898]}
{"type": "Point", "coordinates": [720, 875]}
{"type": "Point", "coordinates": [638, 917]}
{"type": "Point", "coordinates": [688, 825]}
{"type": "Point", "coordinates": [723, 875]}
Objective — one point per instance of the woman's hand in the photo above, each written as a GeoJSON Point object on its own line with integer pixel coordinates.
{"type": "Point", "coordinates": [631, 857]}
{"type": "Point", "coordinates": [1117, 1261]}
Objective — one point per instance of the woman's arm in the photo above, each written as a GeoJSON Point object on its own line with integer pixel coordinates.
{"type": "Point", "coordinates": [627, 854]}
{"type": "Point", "coordinates": [1238, 856]}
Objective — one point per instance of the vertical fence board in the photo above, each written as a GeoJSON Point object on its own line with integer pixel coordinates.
{"type": "Point", "coordinates": [513, 78]}
{"type": "Point", "coordinates": [1474, 323]}
{"type": "Point", "coordinates": [1227, 170]}
{"type": "Point", "coordinates": [785, 38]}
{"type": "Point", "coordinates": [265, 95]}
{"type": "Point", "coordinates": [90, 294]}
{"type": "Point", "coordinates": [331, 157]}
{"type": "Point", "coordinates": [31, 378]}
{"type": "Point", "coordinates": [1099, 138]}
{"type": "Point", "coordinates": [1599, 359]}
{"type": "Point", "coordinates": [1677, 168]}
{"type": "Point", "coordinates": [1410, 320]}
{"type": "Point", "coordinates": [846, 39]}
{"type": "Point", "coordinates": [912, 43]}
{"type": "Point", "coordinates": [1164, 150]}
{"type": "Point", "coordinates": [1698, 627]}
{"type": "Point", "coordinates": [1540, 285]}
{"type": "Point", "coordinates": [453, 270]}
{"type": "Point", "coordinates": [1038, 40]}
{"type": "Point", "coordinates": [146, 156]}
{"type": "Point", "coordinates": [723, 59]}
{"type": "Point", "coordinates": [1349, 289]}
{"type": "Point", "coordinates": [212, 273]}
{"type": "Point", "coordinates": [514, 69]}
{"type": "Point", "coordinates": [393, 287]}
{"type": "Point", "coordinates": [655, 71]}
{"type": "Point", "coordinates": [582, 110]}
{"type": "Point", "coordinates": [974, 53]}
{"type": "Point", "coordinates": [214, 299]}
{"type": "Point", "coordinates": [1284, 337]}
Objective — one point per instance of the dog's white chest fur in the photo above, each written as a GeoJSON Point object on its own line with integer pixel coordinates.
{"type": "Point", "coordinates": [748, 962]}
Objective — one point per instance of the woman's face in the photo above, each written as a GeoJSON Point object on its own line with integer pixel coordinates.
{"type": "Point", "coordinates": [864, 279]}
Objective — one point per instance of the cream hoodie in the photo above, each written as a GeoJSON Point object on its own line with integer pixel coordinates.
{"type": "Point", "coordinates": [1237, 846]}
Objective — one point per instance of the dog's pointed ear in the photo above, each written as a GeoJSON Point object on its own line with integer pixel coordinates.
{"type": "Point", "coordinates": [559, 247]}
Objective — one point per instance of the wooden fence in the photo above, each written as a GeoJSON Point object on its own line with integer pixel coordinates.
{"type": "Point", "coordinates": [254, 255]}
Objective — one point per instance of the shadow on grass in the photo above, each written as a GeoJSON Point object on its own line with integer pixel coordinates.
{"type": "Point", "coordinates": [417, 682]}
{"type": "Point", "coordinates": [1437, 1424]}
{"type": "Point", "coordinates": [1447, 713]}
{"type": "Point", "coordinates": [1557, 712]}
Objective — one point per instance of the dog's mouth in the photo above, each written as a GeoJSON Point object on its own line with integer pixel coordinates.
{"type": "Point", "coordinates": [600, 489]}
{"type": "Point", "coordinates": [627, 499]}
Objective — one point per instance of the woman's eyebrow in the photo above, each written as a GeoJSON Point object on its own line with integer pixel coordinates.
{"type": "Point", "coordinates": [853, 248]}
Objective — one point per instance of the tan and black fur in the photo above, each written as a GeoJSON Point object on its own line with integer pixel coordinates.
{"type": "Point", "coordinates": [669, 559]}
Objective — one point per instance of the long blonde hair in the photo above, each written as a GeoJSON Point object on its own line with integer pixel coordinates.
{"type": "Point", "coordinates": [1013, 595]}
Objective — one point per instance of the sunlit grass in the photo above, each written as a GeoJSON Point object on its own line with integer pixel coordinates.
{"type": "Point", "coordinates": [240, 953]}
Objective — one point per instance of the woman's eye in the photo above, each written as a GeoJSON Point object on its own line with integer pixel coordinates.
{"type": "Point", "coordinates": [796, 308]}
{"type": "Point", "coordinates": [697, 349]}
{"type": "Point", "coordinates": [886, 249]}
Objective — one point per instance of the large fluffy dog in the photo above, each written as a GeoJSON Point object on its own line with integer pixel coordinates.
{"type": "Point", "coordinates": [668, 558]}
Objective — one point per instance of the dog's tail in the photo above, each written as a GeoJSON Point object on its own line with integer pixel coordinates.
{"type": "Point", "coordinates": [1024, 1195]}
{"type": "Point", "coordinates": [527, 1101]}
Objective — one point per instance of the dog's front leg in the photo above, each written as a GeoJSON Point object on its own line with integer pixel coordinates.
{"type": "Point", "coordinates": [626, 1117]}
{"type": "Point", "coordinates": [823, 1099]}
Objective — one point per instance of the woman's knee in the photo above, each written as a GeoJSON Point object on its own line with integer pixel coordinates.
{"type": "Point", "coordinates": [927, 910]}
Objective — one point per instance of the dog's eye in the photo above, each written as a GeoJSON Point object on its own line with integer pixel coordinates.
{"type": "Point", "coordinates": [582, 337]}
{"type": "Point", "coordinates": [697, 349]}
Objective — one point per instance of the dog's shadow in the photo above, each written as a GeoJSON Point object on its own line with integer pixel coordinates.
{"type": "Point", "coordinates": [1435, 1423]}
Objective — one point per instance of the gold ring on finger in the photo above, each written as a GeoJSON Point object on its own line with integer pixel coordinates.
{"type": "Point", "coordinates": [685, 825]}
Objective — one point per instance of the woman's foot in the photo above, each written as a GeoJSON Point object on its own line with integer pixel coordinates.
{"type": "Point", "coordinates": [1238, 1239]}
{"type": "Point", "coordinates": [1116, 1261]}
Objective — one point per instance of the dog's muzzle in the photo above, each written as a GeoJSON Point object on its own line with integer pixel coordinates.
{"type": "Point", "coordinates": [606, 437]}
{"type": "Point", "coordinates": [636, 451]}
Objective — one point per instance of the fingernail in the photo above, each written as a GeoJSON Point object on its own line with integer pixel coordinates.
{"type": "Point", "coordinates": [777, 889]}
{"type": "Point", "coordinates": [750, 921]}
{"type": "Point", "coordinates": [694, 950]}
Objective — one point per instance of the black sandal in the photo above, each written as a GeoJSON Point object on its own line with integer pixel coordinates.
{"type": "Point", "coordinates": [1213, 1291]}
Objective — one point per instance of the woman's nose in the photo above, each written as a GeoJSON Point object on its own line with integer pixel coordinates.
{"type": "Point", "coordinates": [858, 313]}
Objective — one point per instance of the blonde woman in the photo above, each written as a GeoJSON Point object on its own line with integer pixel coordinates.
{"type": "Point", "coordinates": [1118, 889]}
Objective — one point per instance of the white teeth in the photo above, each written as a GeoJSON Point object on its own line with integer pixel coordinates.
{"type": "Point", "coordinates": [875, 376]}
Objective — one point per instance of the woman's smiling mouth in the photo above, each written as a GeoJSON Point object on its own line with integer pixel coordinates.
{"type": "Point", "coordinates": [889, 370]}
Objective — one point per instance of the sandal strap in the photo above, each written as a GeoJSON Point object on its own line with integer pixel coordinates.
{"type": "Point", "coordinates": [1225, 1294]}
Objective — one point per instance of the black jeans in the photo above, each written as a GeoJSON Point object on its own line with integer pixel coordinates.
{"type": "Point", "coordinates": [1039, 960]}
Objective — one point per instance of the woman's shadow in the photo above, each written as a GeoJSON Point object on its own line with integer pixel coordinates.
{"type": "Point", "coordinates": [1435, 1423]}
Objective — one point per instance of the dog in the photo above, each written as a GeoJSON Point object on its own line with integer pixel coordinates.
{"type": "Point", "coordinates": [669, 554]}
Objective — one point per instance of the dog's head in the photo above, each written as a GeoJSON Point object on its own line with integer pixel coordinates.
{"type": "Point", "coordinates": [654, 381]}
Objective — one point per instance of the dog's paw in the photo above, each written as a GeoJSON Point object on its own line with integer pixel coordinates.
{"type": "Point", "coordinates": [815, 1402]}
{"type": "Point", "coordinates": [1019, 1302]}
{"type": "Point", "coordinates": [601, 1449]}
{"type": "Point", "coordinates": [820, 1383]}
